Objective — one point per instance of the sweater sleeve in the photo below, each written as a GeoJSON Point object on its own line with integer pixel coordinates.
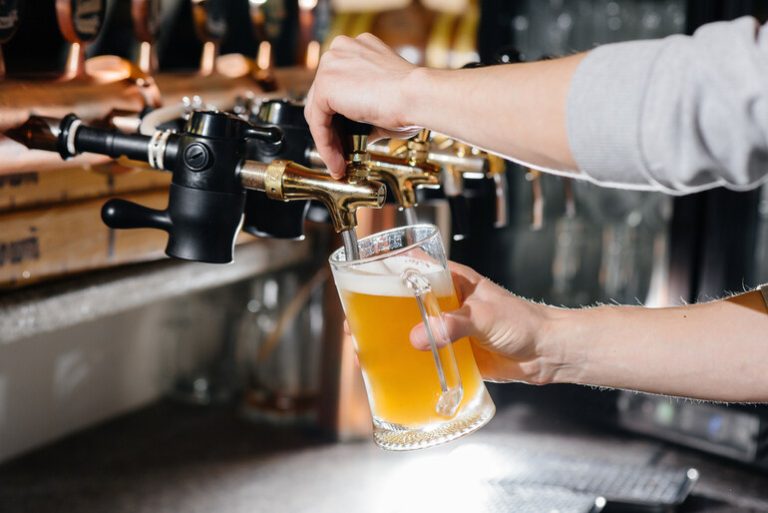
{"type": "Point", "coordinates": [680, 114]}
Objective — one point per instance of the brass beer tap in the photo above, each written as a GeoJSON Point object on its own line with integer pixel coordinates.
{"type": "Point", "coordinates": [286, 181]}
{"type": "Point", "coordinates": [402, 171]}
{"type": "Point", "coordinates": [354, 142]}
{"type": "Point", "coordinates": [403, 174]}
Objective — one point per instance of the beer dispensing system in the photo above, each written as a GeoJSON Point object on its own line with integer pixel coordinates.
{"type": "Point", "coordinates": [211, 175]}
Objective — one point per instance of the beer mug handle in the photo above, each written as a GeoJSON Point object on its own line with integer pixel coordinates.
{"type": "Point", "coordinates": [451, 390]}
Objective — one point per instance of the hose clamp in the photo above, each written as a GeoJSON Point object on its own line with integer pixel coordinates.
{"type": "Point", "coordinates": [156, 149]}
{"type": "Point", "coordinates": [73, 127]}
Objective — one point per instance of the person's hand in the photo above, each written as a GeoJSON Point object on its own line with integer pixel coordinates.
{"type": "Point", "coordinates": [362, 79]}
{"type": "Point", "coordinates": [504, 329]}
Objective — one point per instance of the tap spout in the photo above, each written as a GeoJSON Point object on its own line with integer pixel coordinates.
{"type": "Point", "coordinates": [288, 181]}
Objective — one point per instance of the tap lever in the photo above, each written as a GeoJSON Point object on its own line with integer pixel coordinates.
{"type": "Point", "coordinates": [353, 136]}
{"type": "Point", "coordinates": [201, 225]}
{"type": "Point", "coordinates": [123, 214]}
{"type": "Point", "coordinates": [347, 128]}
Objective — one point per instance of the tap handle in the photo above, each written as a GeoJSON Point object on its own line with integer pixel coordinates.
{"type": "Point", "coordinates": [352, 134]}
{"type": "Point", "coordinates": [423, 135]}
{"type": "Point", "coordinates": [268, 134]}
{"type": "Point", "coordinates": [123, 214]}
{"type": "Point", "coordinates": [347, 127]}
{"type": "Point", "coordinates": [201, 225]}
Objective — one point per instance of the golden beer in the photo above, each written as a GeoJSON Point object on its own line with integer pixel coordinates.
{"type": "Point", "coordinates": [403, 383]}
{"type": "Point", "coordinates": [403, 387]}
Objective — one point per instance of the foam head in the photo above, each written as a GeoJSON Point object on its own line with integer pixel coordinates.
{"type": "Point", "coordinates": [384, 277]}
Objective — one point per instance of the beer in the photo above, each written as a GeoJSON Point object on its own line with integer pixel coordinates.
{"type": "Point", "coordinates": [401, 381]}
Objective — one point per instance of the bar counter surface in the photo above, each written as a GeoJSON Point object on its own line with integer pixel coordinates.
{"type": "Point", "coordinates": [177, 458]}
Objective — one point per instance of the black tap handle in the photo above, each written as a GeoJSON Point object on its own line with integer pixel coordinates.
{"type": "Point", "coordinates": [459, 217]}
{"type": "Point", "coordinates": [349, 133]}
{"type": "Point", "coordinates": [269, 134]}
{"type": "Point", "coordinates": [201, 225]}
{"type": "Point", "coordinates": [345, 126]}
{"type": "Point", "coordinates": [122, 214]}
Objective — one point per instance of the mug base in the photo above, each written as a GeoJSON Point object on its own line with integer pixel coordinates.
{"type": "Point", "coordinates": [396, 437]}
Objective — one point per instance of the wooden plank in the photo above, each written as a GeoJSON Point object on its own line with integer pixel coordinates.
{"type": "Point", "coordinates": [44, 243]}
{"type": "Point", "coordinates": [34, 188]}
{"type": "Point", "coordinates": [48, 242]}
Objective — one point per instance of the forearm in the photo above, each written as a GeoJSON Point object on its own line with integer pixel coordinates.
{"type": "Point", "coordinates": [516, 110]}
{"type": "Point", "coordinates": [715, 351]}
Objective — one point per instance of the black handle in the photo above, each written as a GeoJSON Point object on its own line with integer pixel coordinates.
{"type": "Point", "coordinates": [269, 134]}
{"type": "Point", "coordinates": [122, 214]}
{"type": "Point", "coordinates": [350, 133]}
{"type": "Point", "coordinates": [347, 127]}
{"type": "Point", "coordinates": [201, 225]}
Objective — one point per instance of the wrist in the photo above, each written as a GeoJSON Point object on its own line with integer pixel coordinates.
{"type": "Point", "coordinates": [559, 342]}
{"type": "Point", "coordinates": [415, 97]}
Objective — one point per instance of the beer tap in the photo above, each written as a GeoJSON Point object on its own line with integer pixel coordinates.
{"type": "Point", "coordinates": [263, 216]}
{"type": "Point", "coordinates": [80, 22]}
{"type": "Point", "coordinates": [354, 143]}
{"type": "Point", "coordinates": [209, 17]}
{"type": "Point", "coordinates": [145, 15]}
{"type": "Point", "coordinates": [342, 199]}
{"type": "Point", "coordinates": [403, 171]}
{"type": "Point", "coordinates": [9, 22]}
{"type": "Point", "coordinates": [456, 161]}
{"type": "Point", "coordinates": [406, 171]}
{"type": "Point", "coordinates": [210, 177]}
{"type": "Point", "coordinates": [472, 163]}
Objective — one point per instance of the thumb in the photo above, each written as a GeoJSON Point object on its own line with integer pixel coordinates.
{"type": "Point", "coordinates": [457, 325]}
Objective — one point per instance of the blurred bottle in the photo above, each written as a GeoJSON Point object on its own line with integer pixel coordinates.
{"type": "Point", "coordinates": [280, 338]}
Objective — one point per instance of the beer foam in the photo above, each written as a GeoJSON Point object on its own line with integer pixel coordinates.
{"type": "Point", "coordinates": [384, 277]}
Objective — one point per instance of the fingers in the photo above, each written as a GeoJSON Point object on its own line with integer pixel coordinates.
{"type": "Point", "coordinates": [458, 325]}
{"type": "Point", "coordinates": [319, 116]}
{"type": "Point", "coordinates": [465, 279]}
{"type": "Point", "coordinates": [337, 89]}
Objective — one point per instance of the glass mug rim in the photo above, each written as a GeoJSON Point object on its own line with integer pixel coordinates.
{"type": "Point", "coordinates": [335, 258]}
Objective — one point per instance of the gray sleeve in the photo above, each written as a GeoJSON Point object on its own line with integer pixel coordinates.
{"type": "Point", "coordinates": [680, 114]}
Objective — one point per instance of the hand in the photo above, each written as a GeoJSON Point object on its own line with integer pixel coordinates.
{"type": "Point", "coordinates": [362, 79]}
{"type": "Point", "coordinates": [503, 328]}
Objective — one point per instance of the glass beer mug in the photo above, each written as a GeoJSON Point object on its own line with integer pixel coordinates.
{"type": "Point", "coordinates": [417, 398]}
